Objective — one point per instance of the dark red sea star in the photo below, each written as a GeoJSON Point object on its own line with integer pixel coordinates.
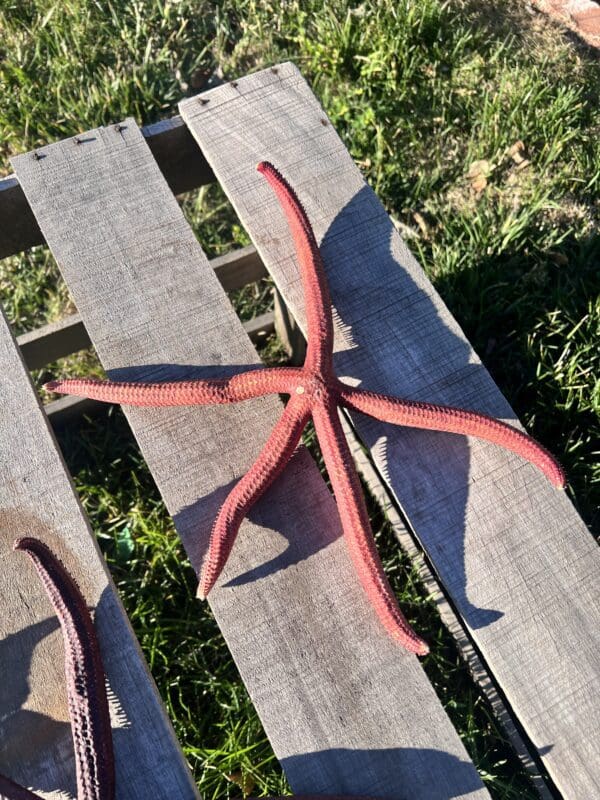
{"type": "Point", "coordinates": [86, 691]}
{"type": "Point", "coordinates": [316, 392]}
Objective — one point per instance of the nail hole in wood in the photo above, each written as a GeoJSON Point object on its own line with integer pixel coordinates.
{"type": "Point", "coordinates": [203, 101]}
{"type": "Point", "coordinates": [324, 122]}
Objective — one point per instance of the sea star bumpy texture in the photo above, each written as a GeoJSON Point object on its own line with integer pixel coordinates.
{"type": "Point", "coordinates": [86, 692]}
{"type": "Point", "coordinates": [316, 392]}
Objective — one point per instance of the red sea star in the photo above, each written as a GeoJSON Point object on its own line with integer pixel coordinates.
{"type": "Point", "coordinates": [88, 704]}
{"type": "Point", "coordinates": [316, 392]}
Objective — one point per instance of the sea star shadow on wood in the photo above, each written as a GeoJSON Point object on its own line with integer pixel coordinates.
{"type": "Point", "coordinates": [315, 392]}
{"type": "Point", "coordinates": [423, 353]}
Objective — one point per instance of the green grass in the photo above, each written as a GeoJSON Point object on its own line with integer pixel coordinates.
{"type": "Point", "coordinates": [478, 127]}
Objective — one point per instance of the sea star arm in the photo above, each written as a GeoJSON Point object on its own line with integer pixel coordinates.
{"type": "Point", "coordinates": [270, 463]}
{"type": "Point", "coordinates": [356, 526]}
{"type": "Point", "coordinates": [454, 420]}
{"type": "Point", "coordinates": [13, 791]}
{"type": "Point", "coordinates": [242, 386]}
{"type": "Point", "coordinates": [88, 704]}
{"type": "Point", "coordinates": [319, 324]}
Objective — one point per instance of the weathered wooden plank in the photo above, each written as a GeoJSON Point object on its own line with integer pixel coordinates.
{"type": "Point", "coordinates": [37, 499]}
{"type": "Point", "coordinates": [53, 341]}
{"type": "Point", "coordinates": [68, 335]}
{"type": "Point", "coordinates": [181, 163]}
{"type": "Point", "coordinates": [238, 268]}
{"type": "Point", "coordinates": [345, 708]}
{"type": "Point", "coordinates": [517, 560]}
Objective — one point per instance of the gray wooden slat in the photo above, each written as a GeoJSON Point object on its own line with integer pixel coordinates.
{"type": "Point", "coordinates": [345, 708]}
{"type": "Point", "coordinates": [66, 410]}
{"type": "Point", "coordinates": [37, 499]}
{"type": "Point", "coordinates": [181, 162]}
{"type": "Point", "coordinates": [68, 335]}
{"type": "Point", "coordinates": [238, 268]}
{"type": "Point", "coordinates": [53, 341]}
{"type": "Point", "coordinates": [516, 558]}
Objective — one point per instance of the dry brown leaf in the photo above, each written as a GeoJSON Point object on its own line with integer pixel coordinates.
{"type": "Point", "coordinates": [479, 183]}
{"type": "Point", "coordinates": [245, 781]}
{"type": "Point", "coordinates": [478, 173]}
{"type": "Point", "coordinates": [478, 168]}
{"type": "Point", "coordinates": [516, 152]}
{"type": "Point", "coordinates": [420, 220]}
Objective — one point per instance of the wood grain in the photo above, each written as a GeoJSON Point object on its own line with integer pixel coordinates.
{"type": "Point", "coordinates": [37, 499]}
{"type": "Point", "coordinates": [347, 711]}
{"type": "Point", "coordinates": [68, 335]}
{"type": "Point", "coordinates": [172, 145]}
{"type": "Point", "coordinates": [511, 551]}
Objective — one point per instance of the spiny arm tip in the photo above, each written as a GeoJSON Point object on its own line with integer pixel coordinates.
{"type": "Point", "coordinates": [25, 543]}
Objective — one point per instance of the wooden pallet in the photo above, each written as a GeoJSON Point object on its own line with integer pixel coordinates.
{"type": "Point", "coordinates": [345, 709]}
